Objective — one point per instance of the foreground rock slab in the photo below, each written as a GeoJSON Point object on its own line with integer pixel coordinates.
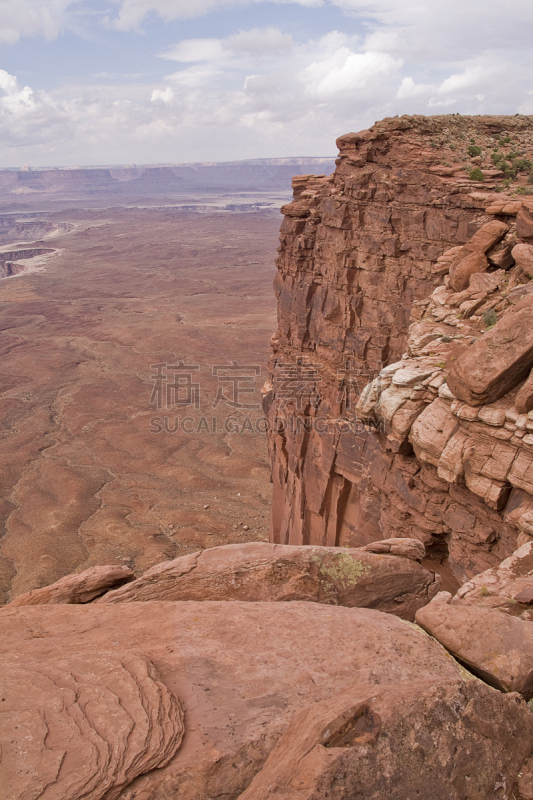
{"type": "Point", "coordinates": [260, 571]}
{"type": "Point", "coordinates": [79, 588]}
{"type": "Point", "coordinates": [240, 670]}
{"type": "Point", "coordinates": [464, 740]}
{"type": "Point", "coordinates": [496, 647]}
{"type": "Point", "coordinates": [83, 724]}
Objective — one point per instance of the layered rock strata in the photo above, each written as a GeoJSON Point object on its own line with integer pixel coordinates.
{"type": "Point", "coordinates": [400, 391]}
{"type": "Point", "coordinates": [82, 723]}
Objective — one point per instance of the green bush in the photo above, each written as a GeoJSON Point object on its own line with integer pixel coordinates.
{"type": "Point", "coordinates": [490, 318]}
{"type": "Point", "coordinates": [522, 165]}
{"type": "Point", "coordinates": [476, 174]}
{"type": "Point", "coordinates": [474, 150]}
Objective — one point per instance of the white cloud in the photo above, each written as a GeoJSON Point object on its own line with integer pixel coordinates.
{"type": "Point", "coordinates": [25, 114]}
{"type": "Point", "coordinates": [264, 92]}
{"type": "Point", "coordinates": [260, 41]}
{"type": "Point", "coordinates": [194, 50]}
{"type": "Point", "coordinates": [197, 77]}
{"type": "Point", "coordinates": [344, 71]}
{"type": "Point", "coordinates": [131, 13]}
{"type": "Point", "coordinates": [32, 18]}
{"type": "Point", "coordinates": [471, 78]}
{"type": "Point", "coordinates": [409, 89]}
{"type": "Point", "coordinates": [166, 95]}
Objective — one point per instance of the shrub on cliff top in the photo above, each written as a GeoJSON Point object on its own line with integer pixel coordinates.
{"type": "Point", "coordinates": [476, 174]}
{"type": "Point", "coordinates": [474, 150]}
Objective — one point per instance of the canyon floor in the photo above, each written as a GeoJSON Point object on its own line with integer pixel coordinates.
{"type": "Point", "coordinates": [87, 476]}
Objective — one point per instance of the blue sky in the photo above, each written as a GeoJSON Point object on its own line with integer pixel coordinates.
{"type": "Point", "coordinates": [162, 81]}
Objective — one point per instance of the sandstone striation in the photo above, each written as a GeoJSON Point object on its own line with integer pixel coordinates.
{"type": "Point", "coordinates": [260, 571]}
{"type": "Point", "coordinates": [404, 310]}
{"type": "Point", "coordinates": [77, 723]}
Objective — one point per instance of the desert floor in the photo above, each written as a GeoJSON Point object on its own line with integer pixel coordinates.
{"type": "Point", "coordinates": [85, 476]}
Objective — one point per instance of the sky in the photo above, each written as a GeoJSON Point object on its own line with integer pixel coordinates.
{"type": "Point", "coordinates": [173, 81]}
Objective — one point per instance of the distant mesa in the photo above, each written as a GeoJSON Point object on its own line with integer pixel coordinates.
{"type": "Point", "coordinates": [154, 180]}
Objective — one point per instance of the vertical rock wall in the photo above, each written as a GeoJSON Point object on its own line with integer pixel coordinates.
{"type": "Point", "coordinates": [361, 253]}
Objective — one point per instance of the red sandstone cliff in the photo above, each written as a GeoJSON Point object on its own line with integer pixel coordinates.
{"type": "Point", "coordinates": [397, 268]}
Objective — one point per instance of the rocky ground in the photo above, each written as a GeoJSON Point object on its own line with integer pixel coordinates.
{"type": "Point", "coordinates": [260, 670]}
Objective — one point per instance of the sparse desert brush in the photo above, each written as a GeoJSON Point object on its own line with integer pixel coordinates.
{"type": "Point", "coordinates": [490, 318]}
{"type": "Point", "coordinates": [476, 174]}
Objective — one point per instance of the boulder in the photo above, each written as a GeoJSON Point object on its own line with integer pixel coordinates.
{"type": "Point", "coordinates": [523, 255]}
{"type": "Point", "coordinates": [298, 209]}
{"type": "Point", "coordinates": [472, 258]}
{"type": "Point", "coordinates": [82, 587]}
{"type": "Point", "coordinates": [432, 431]}
{"type": "Point", "coordinates": [525, 781]}
{"type": "Point", "coordinates": [524, 223]}
{"type": "Point", "coordinates": [524, 398]}
{"type": "Point", "coordinates": [240, 670]}
{"type": "Point", "coordinates": [461, 271]}
{"type": "Point", "coordinates": [83, 724]}
{"type": "Point", "coordinates": [407, 548]}
{"type": "Point", "coordinates": [496, 647]}
{"type": "Point", "coordinates": [506, 588]}
{"type": "Point", "coordinates": [487, 237]}
{"type": "Point", "coordinates": [498, 361]}
{"type": "Point", "coordinates": [259, 571]}
{"type": "Point", "coordinates": [393, 743]}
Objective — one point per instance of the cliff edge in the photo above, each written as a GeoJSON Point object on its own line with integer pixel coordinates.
{"type": "Point", "coordinates": [400, 396]}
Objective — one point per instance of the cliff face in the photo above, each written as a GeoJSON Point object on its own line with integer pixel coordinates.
{"type": "Point", "coordinates": [406, 272]}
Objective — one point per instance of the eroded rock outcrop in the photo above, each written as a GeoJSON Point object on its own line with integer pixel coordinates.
{"type": "Point", "coordinates": [259, 571]}
{"type": "Point", "coordinates": [241, 671]}
{"type": "Point", "coordinates": [82, 587]}
{"type": "Point", "coordinates": [392, 743]}
{"type": "Point", "coordinates": [385, 424]}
